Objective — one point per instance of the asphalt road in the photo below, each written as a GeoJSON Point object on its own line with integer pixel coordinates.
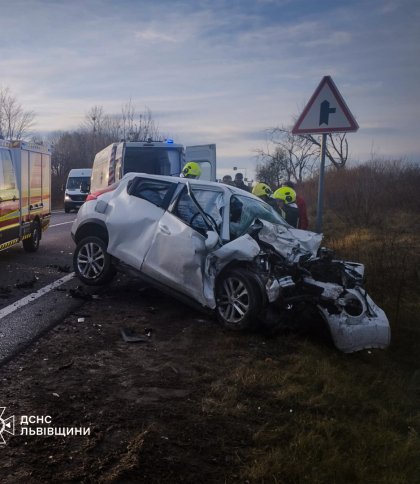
{"type": "Point", "coordinates": [36, 288]}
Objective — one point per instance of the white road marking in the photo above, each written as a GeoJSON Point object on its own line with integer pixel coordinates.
{"type": "Point", "coordinates": [63, 223]}
{"type": "Point", "coordinates": [35, 295]}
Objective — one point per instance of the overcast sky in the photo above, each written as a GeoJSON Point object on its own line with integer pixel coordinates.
{"type": "Point", "coordinates": [219, 71]}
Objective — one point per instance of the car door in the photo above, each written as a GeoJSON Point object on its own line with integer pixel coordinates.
{"type": "Point", "coordinates": [205, 155]}
{"type": "Point", "coordinates": [177, 255]}
{"type": "Point", "coordinates": [133, 217]}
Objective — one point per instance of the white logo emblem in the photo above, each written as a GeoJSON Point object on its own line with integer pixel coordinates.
{"type": "Point", "coordinates": [7, 425]}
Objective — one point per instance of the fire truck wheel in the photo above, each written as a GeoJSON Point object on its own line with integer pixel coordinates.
{"type": "Point", "coordinates": [32, 243]}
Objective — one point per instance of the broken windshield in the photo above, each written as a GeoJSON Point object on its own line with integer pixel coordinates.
{"type": "Point", "coordinates": [243, 212]}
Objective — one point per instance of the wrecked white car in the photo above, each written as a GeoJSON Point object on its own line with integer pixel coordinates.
{"type": "Point", "coordinates": [222, 249]}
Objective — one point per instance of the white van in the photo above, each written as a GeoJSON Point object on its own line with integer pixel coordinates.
{"type": "Point", "coordinates": [152, 157]}
{"type": "Point", "coordinates": [77, 188]}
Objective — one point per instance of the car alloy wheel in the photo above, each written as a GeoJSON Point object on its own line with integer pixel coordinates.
{"type": "Point", "coordinates": [91, 261]}
{"type": "Point", "coordinates": [238, 299]}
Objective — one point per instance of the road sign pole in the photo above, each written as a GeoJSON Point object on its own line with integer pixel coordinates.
{"type": "Point", "coordinates": [325, 113]}
{"type": "Point", "coordinates": [320, 207]}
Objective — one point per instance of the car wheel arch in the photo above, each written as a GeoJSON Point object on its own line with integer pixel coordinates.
{"type": "Point", "coordinates": [92, 228]}
{"type": "Point", "coordinates": [251, 273]}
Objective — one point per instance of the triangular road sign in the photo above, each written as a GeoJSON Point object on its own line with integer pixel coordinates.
{"type": "Point", "coordinates": [326, 112]}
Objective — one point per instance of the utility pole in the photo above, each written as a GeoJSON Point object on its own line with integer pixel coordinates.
{"type": "Point", "coordinates": [94, 137]}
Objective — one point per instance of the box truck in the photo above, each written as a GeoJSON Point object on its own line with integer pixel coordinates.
{"type": "Point", "coordinates": [25, 193]}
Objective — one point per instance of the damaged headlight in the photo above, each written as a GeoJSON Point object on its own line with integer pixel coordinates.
{"type": "Point", "coordinates": [351, 304]}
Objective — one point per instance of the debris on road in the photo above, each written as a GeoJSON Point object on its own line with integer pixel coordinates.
{"type": "Point", "coordinates": [5, 292]}
{"type": "Point", "coordinates": [66, 365]}
{"type": "Point", "coordinates": [63, 268]}
{"type": "Point", "coordinates": [80, 293]}
{"type": "Point", "coordinates": [130, 337]}
{"type": "Point", "coordinates": [27, 284]}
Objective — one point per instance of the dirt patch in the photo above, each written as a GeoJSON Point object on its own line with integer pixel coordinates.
{"type": "Point", "coordinates": [149, 405]}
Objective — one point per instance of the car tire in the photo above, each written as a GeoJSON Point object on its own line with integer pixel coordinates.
{"type": "Point", "coordinates": [66, 209]}
{"type": "Point", "coordinates": [238, 300]}
{"type": "Point", "coordinates": [92, 264]}
{"type": "Point", "coordinates": [31, 244]}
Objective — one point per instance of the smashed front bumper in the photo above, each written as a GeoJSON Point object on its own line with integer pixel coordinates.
{"type": "Point", "coordinates": [354, 320]}
{"type": "Point", "coordinates": [355, 332]}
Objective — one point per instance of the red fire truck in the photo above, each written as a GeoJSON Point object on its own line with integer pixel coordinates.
{"type": "Point", "coordinates": [25, 193]}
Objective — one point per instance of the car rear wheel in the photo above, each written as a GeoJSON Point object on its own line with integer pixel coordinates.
{"type": "Point", "coordinates": [92, 263]}
{"type": "Point", "coordinates": [31, 244]}
{"type": "Point", "coordinates": [238, 299]}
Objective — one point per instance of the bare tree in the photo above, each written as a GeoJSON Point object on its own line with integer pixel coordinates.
{"type": "Point", "coordinates": [138, 127]}
{"type": "Point", "coordinates": [286, 157]}
{"type": "Point", "coordinates": [271, 168]}
{"type": "Point", "coordinates": [337, 147]}
{"type": "Point", "coordinates": [15, 122]}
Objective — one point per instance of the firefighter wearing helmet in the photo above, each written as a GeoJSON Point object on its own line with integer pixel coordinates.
{"type": "Point", "coordinates": [263, 191]}
{"type": "Point", "coordinates": [286, 198]}
{"type": "Point", "coordinates": [191, 170]}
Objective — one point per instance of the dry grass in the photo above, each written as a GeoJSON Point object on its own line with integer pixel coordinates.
{"type": "Point", "coordinates": [319, 416]}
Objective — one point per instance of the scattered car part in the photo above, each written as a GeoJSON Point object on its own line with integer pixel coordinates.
{"type": "Point", "coordinates": [130, 337]}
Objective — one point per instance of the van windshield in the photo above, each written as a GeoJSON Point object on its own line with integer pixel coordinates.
{"type": "Point", "coordinates": [74, 182]}
{"type": "Point", "coordinates": [154, 161]}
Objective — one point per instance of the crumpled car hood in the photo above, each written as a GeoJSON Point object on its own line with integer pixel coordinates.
{"type": "Point", "coordinates": [289, 242]}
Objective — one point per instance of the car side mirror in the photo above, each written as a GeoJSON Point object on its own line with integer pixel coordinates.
{"type": "Point", "coordinates": [212, 240]}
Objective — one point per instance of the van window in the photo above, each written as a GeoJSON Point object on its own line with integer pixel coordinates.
{"type": "Point", "coordinates": [154, 161]}
{"type": "Point", "coordinates": [74, 182]}
{"type": "Point", "coordinates": [7, 173]}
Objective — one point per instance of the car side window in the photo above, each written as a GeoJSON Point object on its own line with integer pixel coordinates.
{"type": "Point", "coordinates": [210, 201]}
{"type": "Point", "coordinates": [244, 210]}
{"type": "Point", "coordinates": [154, 191]}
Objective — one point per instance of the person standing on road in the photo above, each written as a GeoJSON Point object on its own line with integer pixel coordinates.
{"type": "Point", "coordinates": [239, 182]}
{"type": "Point", "coordinates": [286, 198]}
{"type": "Point", "coordinates": [301, 203]}
{"type": "Point", "coordinates": [227, 180]}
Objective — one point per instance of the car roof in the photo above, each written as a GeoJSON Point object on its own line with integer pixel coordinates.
{"type": "Point", "coordinates": [192, 181]}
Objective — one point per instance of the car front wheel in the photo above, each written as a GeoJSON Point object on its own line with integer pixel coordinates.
{"type": "Point", "coordinates": [238, 299]}
{"type": "Point", "coordinates": [92, 263]}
